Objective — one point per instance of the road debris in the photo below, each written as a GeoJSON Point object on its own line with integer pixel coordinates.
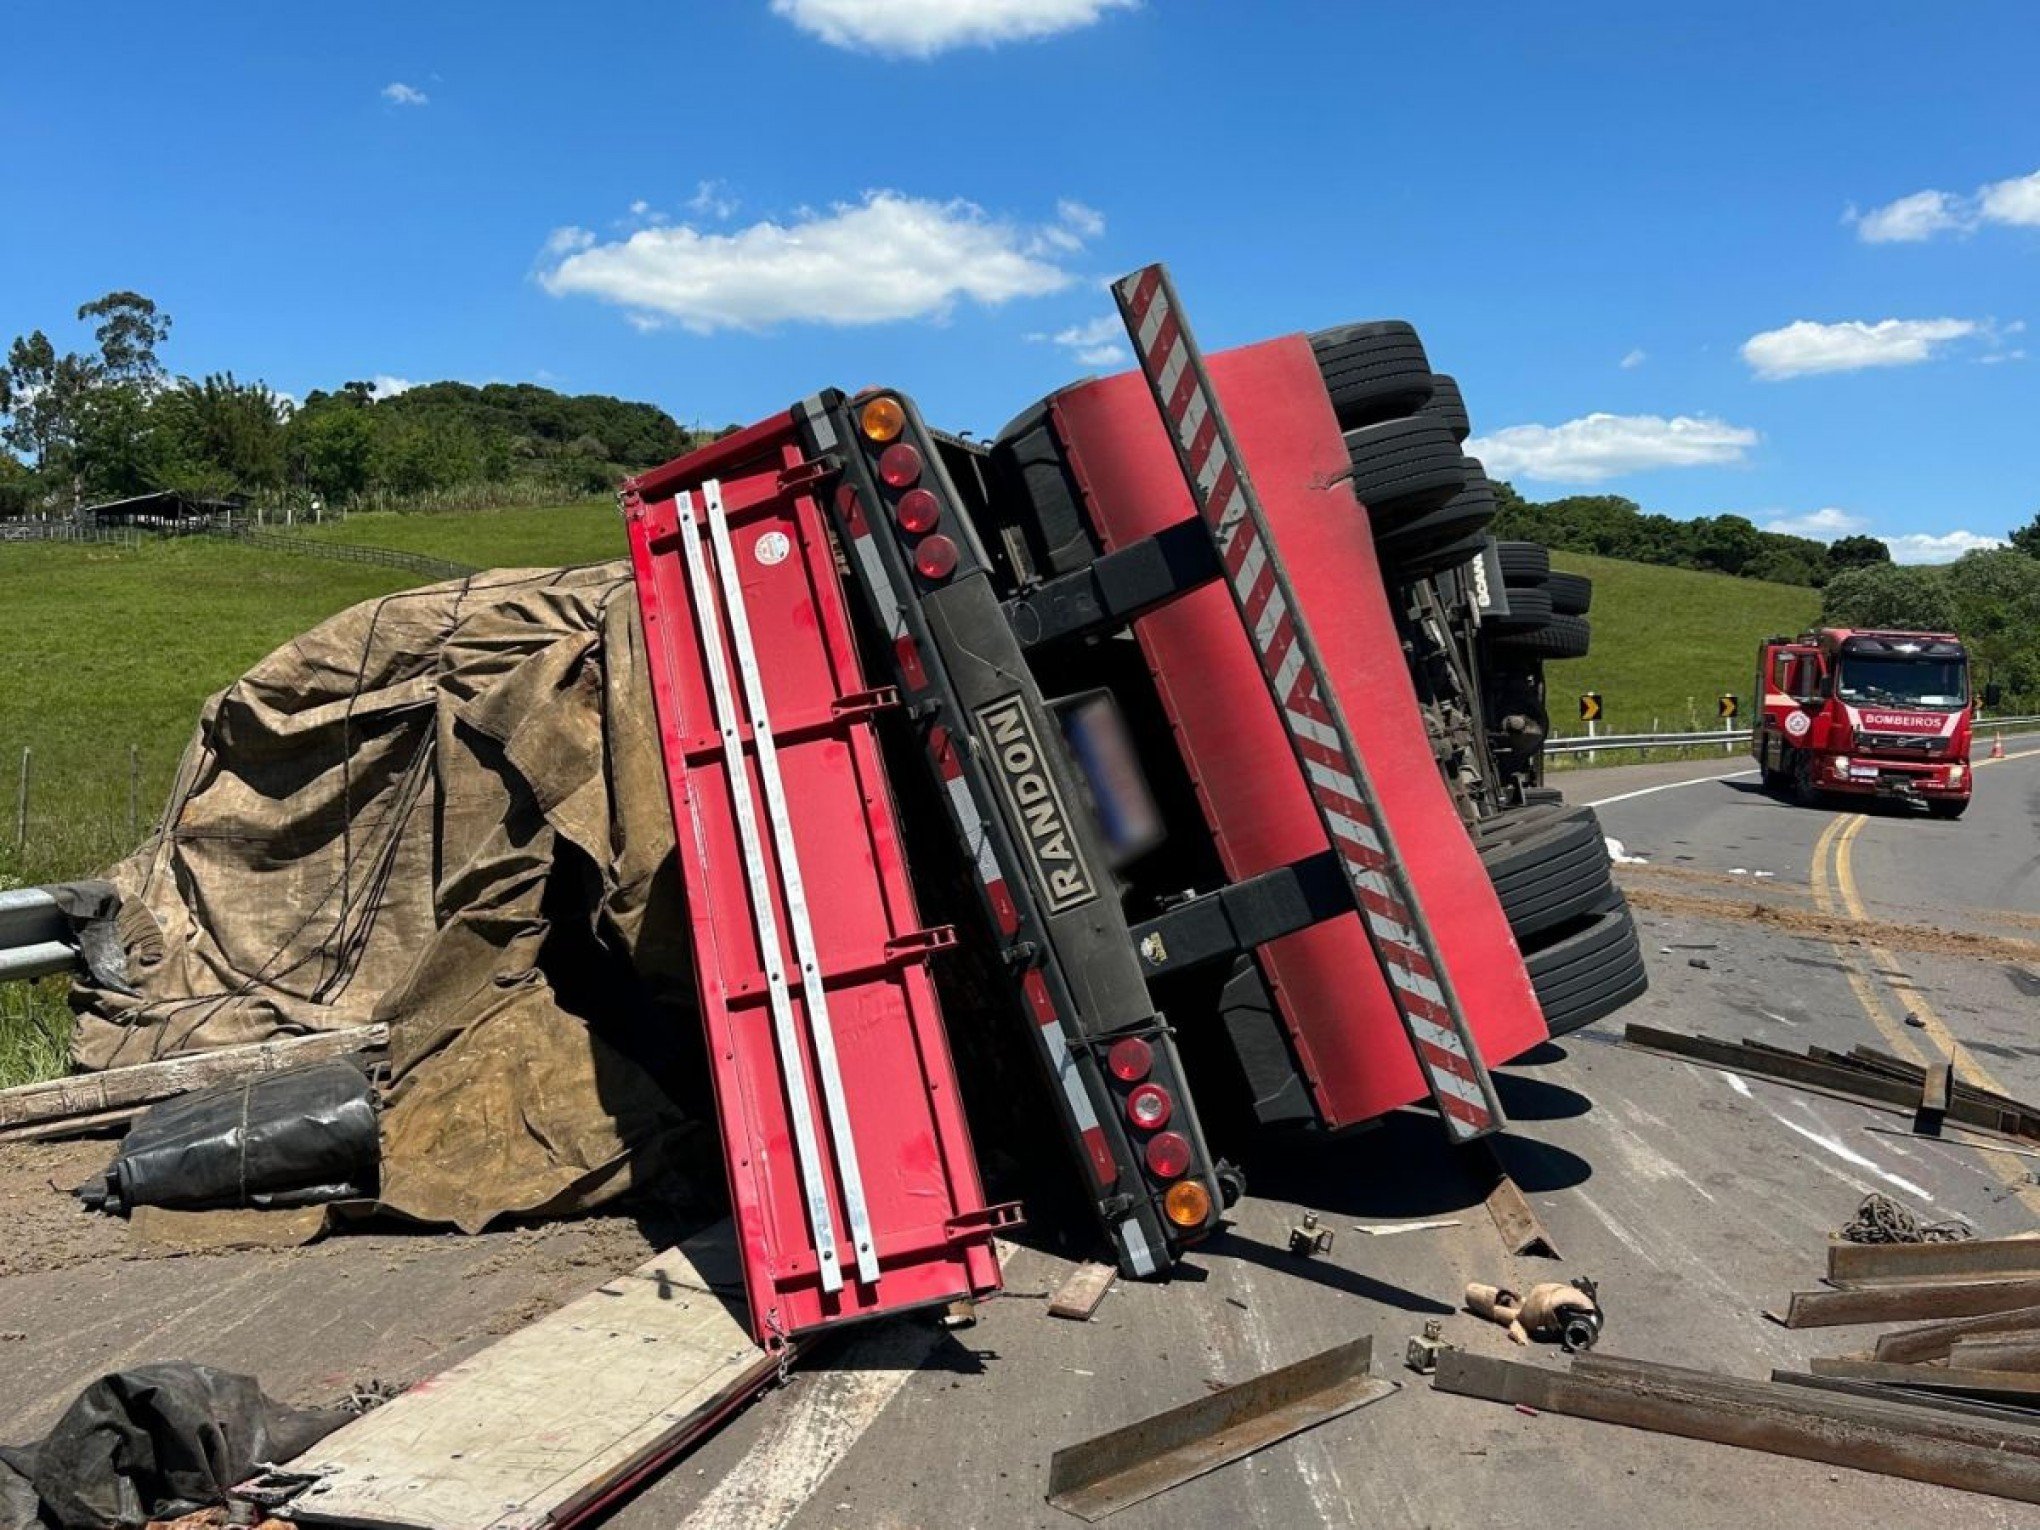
{"type": "Point", "coordinates": [1081, 1292]}
{"type": "Point", "coordinates": [1134, 1463]}
{"type": "Point", "coordinates": [1421, 1355]}
{"type": "Point", "coordinates": [1890, 1435]}
{"type": "Point", "coordinates": [1567, 1311]}
{"type": "Point", "coordinates": [1310, 1237]}
{"type": "Point", "coordinates": [1389, 1229]}
{"type": "Point", "coordinates": [1880, 1219]}
{"type": "Point", "coordinates": [1522, 1232]}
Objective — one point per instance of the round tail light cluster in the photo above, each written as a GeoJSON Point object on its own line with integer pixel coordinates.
{"type": "Point", "coordinates": [1149, 1107]}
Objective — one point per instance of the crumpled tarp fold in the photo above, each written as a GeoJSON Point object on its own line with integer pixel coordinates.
{"type": "Point", "coordinates": [444, 810]}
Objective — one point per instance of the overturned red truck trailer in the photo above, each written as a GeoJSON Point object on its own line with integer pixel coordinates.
{"type": "Point", "coordinates": [1199, 752]}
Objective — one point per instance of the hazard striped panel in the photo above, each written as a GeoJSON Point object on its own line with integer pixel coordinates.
{"type": "Point", "coordinates": [1344, 796]}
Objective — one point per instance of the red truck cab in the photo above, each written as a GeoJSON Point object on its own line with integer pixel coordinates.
{"type": "Point", "coordinates": [1851, 712]}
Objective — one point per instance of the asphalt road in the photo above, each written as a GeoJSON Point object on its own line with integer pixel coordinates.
{"type": "Point", "coordinates": [1696, 1199]}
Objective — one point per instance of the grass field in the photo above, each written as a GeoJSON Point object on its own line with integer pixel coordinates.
{"type": "Point", "coordinates": [1667, 642]}
{"type": "Point", "coordinates": [588, 532]}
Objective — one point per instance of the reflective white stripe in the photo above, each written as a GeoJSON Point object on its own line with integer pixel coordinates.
{"type": "Point", "coordinates": [1333, 780]}
{"type": "Point", "coordinates": [1251, 566]}
{"type": "Point", "coordinates": [1286, 672]}
{"type": "Point", "coordinates": [1231, 517]}
{"type": "Point", "coordinates": [1427, 990]}
{"type": "Point", "coordinates": [892, 615]}
{"type": "Point", "coordinates": [1359, 833]}
{"type": "Point", "coordinates": [965, 807]}
{"type": "Point", "coordinates": [1065, 1067]}
{"type": "Point", "coordinates": [1172, 367]}
{"type": "Point", "coordinates": [1137, 1248]}
{"type": "Point", "coordinates": [1310, 727]}
{"type": "Point", "coordinates": [1449, 1082]}
{"type": "Point", "coordinates": [1275, 612]}
{"type": "Point", "coordinates": [1152, 324]}
{"type": "Point", "coordinates": [1194, 414]}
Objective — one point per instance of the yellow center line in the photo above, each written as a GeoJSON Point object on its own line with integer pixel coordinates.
{"type": "Point", "coordinates": [1837, 845]}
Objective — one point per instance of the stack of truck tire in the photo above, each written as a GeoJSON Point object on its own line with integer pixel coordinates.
{"type": "Point", "coordinates": [1429, 505]}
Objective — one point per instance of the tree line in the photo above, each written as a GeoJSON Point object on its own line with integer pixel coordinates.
{"type": "Point", "coordinates": [109, 421]}
{"type": "Point", "coordinates": [1614, 527]}
{"type": "Point", "coordinates": [1991, 598]}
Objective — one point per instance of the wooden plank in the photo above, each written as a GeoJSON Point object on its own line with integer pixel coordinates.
{"type": "Point", "coordinates": [1888, 1304]}
{"type": "Point", "coordinates": [92, 1099]}
{"type": "Point", "coordinates": [1933, 1341]}
{"type": "Point", "coordinates": [1078, 1296]}
{"type": "Point", "coordinates": [548, 1424]}
{"type": "Point", "coordinates": [1997, 1386]}
{"type": "Point", "coordinates": [1788, 1421]}
{"type": "Point", "coordinates": [1970, 1259]}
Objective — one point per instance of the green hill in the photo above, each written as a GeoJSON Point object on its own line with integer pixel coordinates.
{"type": "Point", "coordinates": [1668, 641]}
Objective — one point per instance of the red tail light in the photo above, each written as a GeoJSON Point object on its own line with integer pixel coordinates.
{"type": "Point", "coordinates": [1149, 1107]}
{"type": "Point", "coordinates": [1168, 1155]}
{"type": "Point", "coordinates": [1130, 1060]}
{"type": "Point", "coordinates": [899, 464]}
{"type": "Point", "coordinates": [935, 558]}
{"type": "Point", "coordinates": [918, 511]}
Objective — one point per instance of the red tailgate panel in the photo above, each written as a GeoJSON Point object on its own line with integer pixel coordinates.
{"type": "Point", "coordinates": [1326, 980]}
{"type": "Point", "coordinates": [931, 1228]}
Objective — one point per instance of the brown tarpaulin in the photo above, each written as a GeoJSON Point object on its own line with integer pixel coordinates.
{"type": "Point", "coordinates": [445, 810]}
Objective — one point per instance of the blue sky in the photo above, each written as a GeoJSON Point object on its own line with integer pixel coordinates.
{"type": "Point", "coordinates": [1777, 260]}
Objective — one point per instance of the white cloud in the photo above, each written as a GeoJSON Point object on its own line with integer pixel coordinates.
{"type": "Point", "coordinates": [1912, 219]}
{"type": "Point", "coordinates": [1599, 446]}
{"type": "Point", "coordinates": [1635, 359]}
{"type": "Point", "coordinates": [886, 258]}
{"type": "Point", "coordinates": [924, 28]}
{"type": "Point", "coordinates": [382, 385]}
{"type": "Point", "coordinates": [1804, 347]}
{"type": "Point", "coordinates": [712, 199]}
{"type": "Point", "coordinates": [397, 93]}
{"type": "Point", "coordinates": [1821, 525]}
{"type": "Point", "coordinates": [1099, 342]}
{"type": "Point", "coordinates": [1921, 547]}
{"type": "Point", "coordinates": [2016, 202]}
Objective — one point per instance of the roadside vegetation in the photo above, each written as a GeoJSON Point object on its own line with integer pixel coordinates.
{"type": "Point", "coordinates": [1667, 642]}
{"type": "Point", "coordinates": [110, 420]}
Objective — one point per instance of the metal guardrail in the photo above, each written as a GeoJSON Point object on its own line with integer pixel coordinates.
{"type": "Point", "coordinates": [349, 552]}
{"type": "Point", "coordinates": [35, 937]}
{"type": "Point", "coordinates": [1706, 737]}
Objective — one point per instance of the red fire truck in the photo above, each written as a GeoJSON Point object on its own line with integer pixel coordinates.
{"type": "Point", "coordinates": [1868, 714]}
{"type": "Point", "coordinates": [1167, 702]}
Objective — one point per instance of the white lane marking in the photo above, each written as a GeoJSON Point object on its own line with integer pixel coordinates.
{"type": "Point", "coordinates": [1669, 786]}
{"type": "Point", "coordinates": [1849, 1155]}
{"type": "Point", "coordinates": [822, 1420]}
{"type": "Point", "coordinates": [1736, 1083]}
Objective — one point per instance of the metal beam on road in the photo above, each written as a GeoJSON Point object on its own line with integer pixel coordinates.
{"type": "Point", "coordinates": [1996, 1258]}
{"type": "Point", "coordinates": [1900, 1304]}
{"type": "Point", "coordinates": [1896, 1438]}
{"type": "Point", "coordinates": [1933, 1341]}
{"type": "Point", "coordinates": [1125, 1466]}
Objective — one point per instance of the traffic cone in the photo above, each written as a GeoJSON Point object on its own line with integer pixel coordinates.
{"type": "Point", "coordinates": [1997, 747]}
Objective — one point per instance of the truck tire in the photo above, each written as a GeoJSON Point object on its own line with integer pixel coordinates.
{"type": "Point", "coordinates": [1403, 469]}
{"type": "Point", "coordinates": [1591, 971]}
{"type": "Point", "coordinates": [1529, 609]}
{"type": "Point", "coordinates": [1537, 796]}
{"type": "Point", "coordinates": [1448, 406]}
{"type": "Point", "coordinates": [1399, 567]}
{"type": "Point", "coordinates": [1029, 461]}
{"type": "Point", "coordinates": [1563, 637]}
{"type": "Point", "coordinates": [1571, 594]}
{"type": "Point", "coordinates": [1464, 515]}
{"type": "Point", "coordinates": [1524, 562]}
{"type": "Point", "coordinates": [1552, 875]}
{"type": "Point", "coordinates": [1373, 371]}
